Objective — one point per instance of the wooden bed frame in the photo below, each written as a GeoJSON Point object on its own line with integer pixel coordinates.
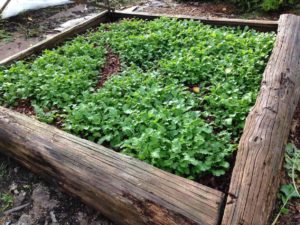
{"type": "Point", "coordinates": [132, 192]}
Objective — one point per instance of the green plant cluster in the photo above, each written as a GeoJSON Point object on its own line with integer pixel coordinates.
{"type": "Point", "coordinates": [148, 110]}
{"type": "Point", "coordinates": [155, 120]}
{"type": "Point", "coordinates": [5, 36]}
{"type": "Point", "coordinates": [6, 201]}
{"type": "Point", "coordinates": [226, 63]}
{"type": "Point", "coordinates": [266, 5]}
{"type": "Point", "coordinates": [290, 191]}
{"type": "Point", "coordinates": [3, 170]}
{"type": "Point", "coordinates": [58, 78]}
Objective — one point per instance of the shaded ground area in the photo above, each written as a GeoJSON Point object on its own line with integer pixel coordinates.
{"type": "Point", "coordinates": [220, 183]}
{"type": "Point", "coordinates": [25, 199]}
{"type": "Point", "coordinates": [293, 215]}
{"type": "Point", "coordinates": [208, 9]}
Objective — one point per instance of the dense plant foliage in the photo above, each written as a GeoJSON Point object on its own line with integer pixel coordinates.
{"type": "Point", "coordinates": [290, 190]}
{"type": "Point", "coordinates": [148, 110]}
{"type": "Point", "coordinates": [57, 78]}
{"type": "Point", "coordinates": [267, 5]}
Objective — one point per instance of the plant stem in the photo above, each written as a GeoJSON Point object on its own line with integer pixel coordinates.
{"type": "Point", "coordinates": [293, 179]}
{"type": "Point", "coordinates": [279, 213]}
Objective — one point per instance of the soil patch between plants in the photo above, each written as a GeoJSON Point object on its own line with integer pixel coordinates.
{"type": "Point", "coordinates": [111, 67]}
{"type": "Point", "coordinates": [24, 106]}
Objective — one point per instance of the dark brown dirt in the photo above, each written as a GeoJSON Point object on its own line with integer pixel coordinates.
{"type": "Point", "coordinates": [59, 122]}
{"type": "Point", "coordinates": [44, 199]}
{"type": "Point", "coordinates": [210, 9]}
{"type": "Point", "coordinates": [294, 136]}
{"type": "Point", "coordinates": [220, 183]}
{"type": "Point", "coordinates": [293, 215]}
{"type": "Point", "coordinates": [112, 66]}
{"type": "Point", "coordinates": [24, 106]}
{"type": "Point", "coordinates": [196, 9]}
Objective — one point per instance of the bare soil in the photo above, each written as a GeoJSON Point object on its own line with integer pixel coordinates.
{"type": "Point", "coordinates": [24, 106]}
{"type": "Point", "coordinates": [208, 9]}
{"type": "Point", "coordinates": [44, 203]}
{"type": "Point", "coordinates": [112, 66]}
{"type": "Point", "coordinates": [31, 27]}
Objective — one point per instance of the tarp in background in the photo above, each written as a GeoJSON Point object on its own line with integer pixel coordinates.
{"type": "Point", "coordinates": [16, 7]}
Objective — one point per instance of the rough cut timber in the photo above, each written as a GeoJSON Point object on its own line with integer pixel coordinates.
{"type": "Point", "coordinates": [260, 25]}
{"type": "Point", "coordinates": [255, 177]}
{"type": "Point", "coordinates": [124, 189]}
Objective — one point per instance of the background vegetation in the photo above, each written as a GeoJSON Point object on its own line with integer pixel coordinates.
{"type": "Point", "coordinates": [265, 5]}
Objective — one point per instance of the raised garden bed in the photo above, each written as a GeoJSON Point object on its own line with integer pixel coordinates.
{"type": "Point", "coordinates": [172, 93]}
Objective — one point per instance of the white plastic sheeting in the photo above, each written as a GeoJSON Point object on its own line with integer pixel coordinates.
{"type": "Point", "coordinates": [18, 6]}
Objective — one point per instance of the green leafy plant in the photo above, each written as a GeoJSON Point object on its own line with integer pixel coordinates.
{"type": "Point", "coordinates": [6, 201]}
{"type": "Point", "coordinates": [152, 119]}
{"type": "Point", "coordinates": [266, 5]}
{"type": "Point", "coordinates": [3, 170]}
{"type": "Point", "coordinates": [148, 110]}
{"type": "Point", "coordinates": [289, 191]}
{"type": "Point", "coordinates": [5, 36]}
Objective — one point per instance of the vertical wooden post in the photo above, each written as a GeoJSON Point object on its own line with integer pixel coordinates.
{"type": "Point", "coordinates": [255, 177]}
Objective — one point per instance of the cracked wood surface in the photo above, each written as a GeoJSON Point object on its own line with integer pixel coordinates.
{"type": "Point", "coordinates": [255, 178]}
{"type": "Point", "coordinates": [124, 189]}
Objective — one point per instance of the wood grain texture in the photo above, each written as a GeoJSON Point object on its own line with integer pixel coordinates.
{"type": "Point", "coordinates": [58, 38]}
{"type": "Point", "coordinates": [124, 189]}
{"type": "Point", "coordinates": [260, 25]}
{"type": "Point", "coordinates": [4, 6]}
{"type": "Point", "coordinates": [255, 177]}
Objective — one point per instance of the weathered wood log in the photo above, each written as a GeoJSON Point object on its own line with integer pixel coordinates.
{"type": "Point", "coordinates": [4, 6]}
{"type": "Point", "coordinates": [255, 177]}
{"type": "Point", "coordinates": [124, 189]}
{"type": "Point", "coordinates": [260, 25]}
{"type": "Point", "coordinates": [58, 38]}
